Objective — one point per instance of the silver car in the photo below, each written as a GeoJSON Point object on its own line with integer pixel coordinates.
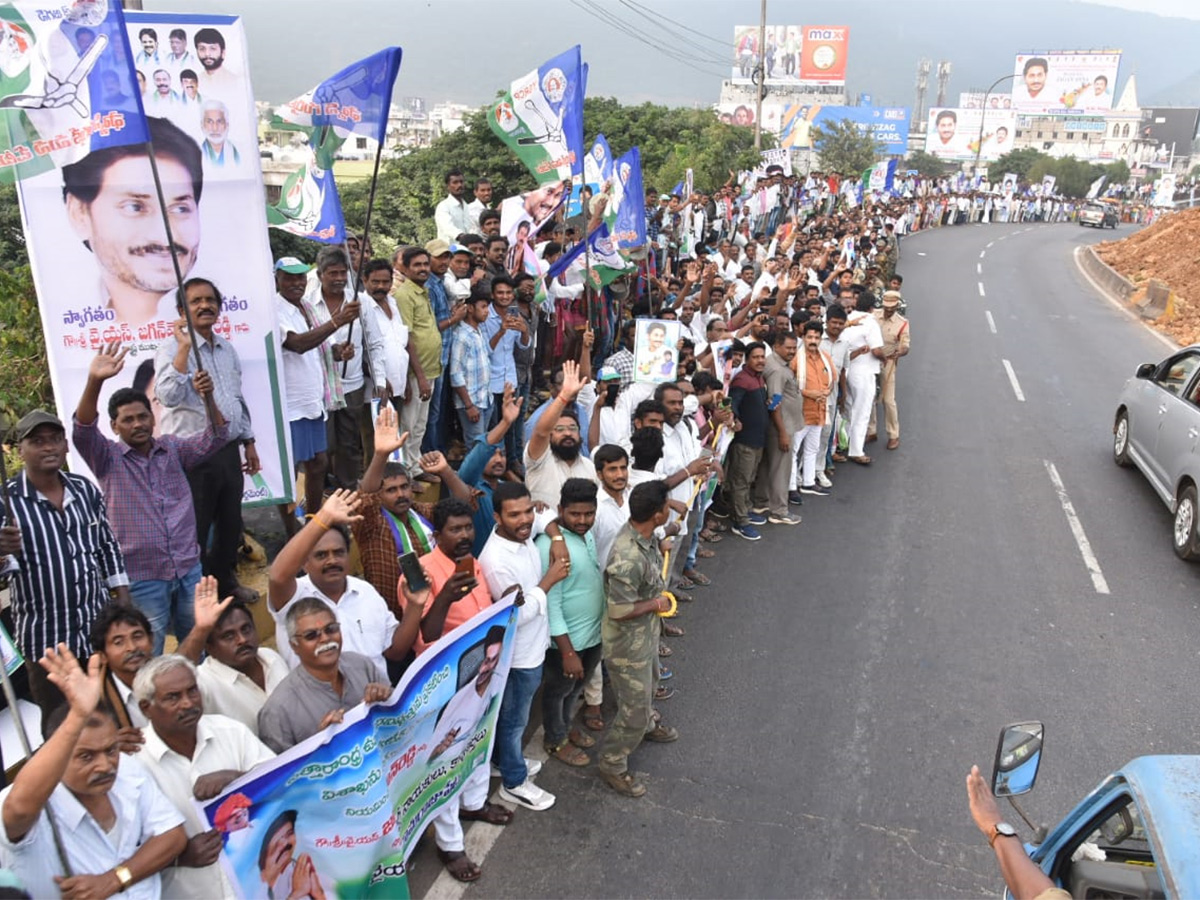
{"type": "Point", "coordinates": [1157, 428]}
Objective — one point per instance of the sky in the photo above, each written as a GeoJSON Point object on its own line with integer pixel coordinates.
{"type": "Point", "coordinates": [677, 51]}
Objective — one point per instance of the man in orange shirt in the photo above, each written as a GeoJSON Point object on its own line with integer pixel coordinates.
{"type": "Point", "coordinates": [457, 596]}
{"type": "Point", "coordinates": [816, 375]}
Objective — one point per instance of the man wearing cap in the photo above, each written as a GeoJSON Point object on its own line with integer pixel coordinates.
{"type": "Point", "coordinates": [447, 318]}
{"type": "Point", "coordinates": [895, 345]}
{"type": "Point", "coordinates": [62, 554]}
{"type": "Point", "coordinates": [304, 378]}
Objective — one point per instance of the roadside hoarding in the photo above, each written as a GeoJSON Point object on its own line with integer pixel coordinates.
{"type": "Point", "coordinates": [793, 54]}
{"type": "Point", "coordinates": [823, 54]}
{"type": "Point", "coordinates": [1065, 82]}
{"type": "Point", "coordinates": [954, 133]}
{"type": "Point", "coordinates": [889, 124]}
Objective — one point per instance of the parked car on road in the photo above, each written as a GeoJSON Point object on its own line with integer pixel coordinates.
{"type": "Point", "coordinates": [1157, 429]}
{"type": "Point", "coordinates": [1098, 215]}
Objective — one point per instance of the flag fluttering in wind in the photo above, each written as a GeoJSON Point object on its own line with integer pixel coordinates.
{"type": "Point", "coordinates": [626, 212]}
{"type": "Point", "coordinates": [355, 101]}
{"type": "Point", "coordinates": [67, 85]}
{"type": "Point", "coordinates": [540, 118]}
{"type": "Point", "coordinates": [880, 177]}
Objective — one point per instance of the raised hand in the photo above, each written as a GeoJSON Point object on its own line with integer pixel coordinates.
{"type": "Point", "coordinates": [81, 689]}
{"type": "Point", "coordinates": [433, 462]}
{"type": "Point", "coordinates": [108, 362]}
{"type": "Point", "coordinates": [510, 409]}
{"type": "Point", "coordinates": [341, 507]}
{"type": "Point", "coordinates": [387, 431]}
{"type": "Point", "coordinates": [572, 381]}
{"type": "Point", "coordinates": [207, 605]}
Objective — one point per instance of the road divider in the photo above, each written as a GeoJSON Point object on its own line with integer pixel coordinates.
{"type": "Point", "coordinates": [1081, 540]}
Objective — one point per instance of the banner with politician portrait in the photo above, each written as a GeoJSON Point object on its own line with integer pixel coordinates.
{"type": "Point", "coordinates": [101, 262]}
{"type": "Point", "coordinates": [337, 815]}
{"type": "Point", "coordinates": [656, 350]}
{"type": "Point", "coordinates": [955, 133]}
{"type": "Point", "coordinates": [1065, 82]}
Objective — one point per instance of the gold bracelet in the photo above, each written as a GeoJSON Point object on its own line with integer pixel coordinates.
{"type": "Point", "coordinates": [320, 521]}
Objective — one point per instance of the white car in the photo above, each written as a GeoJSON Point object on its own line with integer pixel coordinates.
{"type": "Point", "coordinates": [1157, 429]}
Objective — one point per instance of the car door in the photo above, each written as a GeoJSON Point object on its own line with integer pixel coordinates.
{"type": "Point", "coordinates": [1179, 434]}
{"type": "Point", "coordinates": [1174, 416]}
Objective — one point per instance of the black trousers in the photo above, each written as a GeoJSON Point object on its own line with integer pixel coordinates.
{"type": "Point", "coordinates": [217, 498]}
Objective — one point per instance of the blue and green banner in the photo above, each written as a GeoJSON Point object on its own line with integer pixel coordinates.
{"type": "Point", "coordinates": [338, 815]}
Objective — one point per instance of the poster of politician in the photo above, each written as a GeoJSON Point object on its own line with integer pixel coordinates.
{"type": "Point", "coordinates": [655, 352]}
{"type": "Point", "coordinates": [955, 133]}
{"type": "Point", "coordinates": [101, 261]}
{"type": "Point", "coordinates": [1065, 82]}
{"type": "Point", "coordinates": [338, 814]}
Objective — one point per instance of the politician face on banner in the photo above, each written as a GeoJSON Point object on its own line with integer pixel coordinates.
{"type": "Point", "coordinates": [1062, 82]}
{"type": "Point", "coordinates": [963, 133]}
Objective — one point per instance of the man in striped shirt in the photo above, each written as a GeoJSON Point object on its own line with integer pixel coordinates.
{"type": "Point", "coordinates": [63, 554]}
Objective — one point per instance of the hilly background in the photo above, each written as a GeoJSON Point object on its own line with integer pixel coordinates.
{"type": "Point", "coordinates": [464, 50]}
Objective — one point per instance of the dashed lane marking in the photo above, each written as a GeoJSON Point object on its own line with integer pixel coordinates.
{"type": "Point", "coordinates": [1012, 379]}
{"type": "Point", "coordinates": [1081, 540]}
{"type": "Point", "coordinates": [991, 322]}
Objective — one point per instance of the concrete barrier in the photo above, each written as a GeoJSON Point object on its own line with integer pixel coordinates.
{"type": "Point", "coordinates": [1106, 276]}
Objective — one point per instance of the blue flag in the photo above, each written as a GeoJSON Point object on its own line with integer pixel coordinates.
{"type": "Point", "coordinates": [626, 217]}
{"type": "Point", "coordinates": [597, 169]}
{"type": "Point", "coordinates": [355, 101]}
{"type": "Point", "coordinates": [67, 85]}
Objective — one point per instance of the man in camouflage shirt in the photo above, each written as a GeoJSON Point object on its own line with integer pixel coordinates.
{"type": "Point", "coordinates": [631, 628]}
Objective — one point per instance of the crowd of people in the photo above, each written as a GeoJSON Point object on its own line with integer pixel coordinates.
{"type": "Point", "coordinates": [554, 470]}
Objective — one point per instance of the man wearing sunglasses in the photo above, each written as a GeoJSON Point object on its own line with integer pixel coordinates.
{"type": "Point", "coordinates": [317, 693]}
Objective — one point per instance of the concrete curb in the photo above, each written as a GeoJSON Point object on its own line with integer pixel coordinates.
{"type": "Point", "coordinates": [1113, 282]}
{"type": "Point", "coordinates": [1083, 252]}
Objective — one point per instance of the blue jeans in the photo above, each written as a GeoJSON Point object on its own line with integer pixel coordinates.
{"type": "Point", "coordinates": [507, 752]}
{"type": "Point", "coordinates": [690, 561]}
{"type": "Point", "coordinates": [474, 432]}
{"type": "Point", "coordinates": [168, 603]}
{"type": "Point", "coordinates": [434, 438]}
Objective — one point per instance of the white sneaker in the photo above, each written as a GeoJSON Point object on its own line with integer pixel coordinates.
{"type": "Point", "coordinates": [532, 766]}
{"type": "Point", "coordinates": [823, 480]}
{"type": "Point", "coordinates": [529, 795]}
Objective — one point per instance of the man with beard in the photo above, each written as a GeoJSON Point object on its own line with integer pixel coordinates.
{"type": "Point", "coordinates": [326, 683]}
{"type": "Point", "coordinates": [214, 122]}
{"type": "Point", "coordinates": [122, 637]}
{"type": "Point", "coordinates": [145, 482]}
{"type": "Point", "coordinates": [387, 526]}
{"type": "Point", "coordinates": [118, 831]}
{"type": "Point", "coordinates": [217, 482]}
{"type": "Point", "coordinates": [112, 207]}
{"type": "Point", "coordinates": [218, 80]}
{"type": "Point", "coordinates": [553, 452]}
{"type": "Point", "coordinates": [237, 674]}
{"type": "Point", "coordinates": [322, 548]}
{"type": "Point", "coordinates": [511, 558]}
{"type": "Point", "coordinates": [192, 756]}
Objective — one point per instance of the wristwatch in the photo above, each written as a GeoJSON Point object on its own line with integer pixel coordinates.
{"type": "Point", "coordinates": [124, 876]}
{"type": "Point", "coordinates": [1001, 829]}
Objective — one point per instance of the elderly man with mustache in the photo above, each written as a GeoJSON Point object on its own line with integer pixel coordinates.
{"type": "Point", "coordinates": [322, 548]}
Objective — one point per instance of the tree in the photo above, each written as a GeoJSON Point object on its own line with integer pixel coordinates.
{"type": "Point", "coordinates": [1117, 172]}
{"type": "Point", "coordinates": [1019, 162]}
{"type": "Point", "coordinates": [926, 164]}
{"type": "Point", "coordinates": [843, 148]}
{"type": "Point", "coordinates": [670, 141]}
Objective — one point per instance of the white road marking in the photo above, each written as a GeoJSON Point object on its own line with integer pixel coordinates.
{"type": "Point", "coordinates": [1085, 547]}
{"type": "Point", "coordinates": [982, 254]}
{"type": "Point", "coordinates": [981, 293]}
{"type": "Point", "coordinates": [989, 244]}
{"type": "Point", "coordinates": [1012, 379]}
{"type": "Point", "coordinates": [1002, 237]}
{"type": "Point", "coordinates": [919, 253]}
{"type": "Point", "coordinates": [990, 320]}
{"type": "Point", "coordinates": [978, 268]}
{"type": "Point", "coordinates": [480, 837]}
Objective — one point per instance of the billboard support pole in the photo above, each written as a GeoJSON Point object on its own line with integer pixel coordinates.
{"type": "Point", "coordinates": [761, 75]}
{"type": "Point", "coordinates": [983, 116]}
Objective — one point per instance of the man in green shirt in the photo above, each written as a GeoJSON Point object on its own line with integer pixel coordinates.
{"type": "Point", "coordinates": [575, 607]}
{"type": "Point", "coordinates": [634, 587]}
{"type": "Point", "coordinates": [424, 347]}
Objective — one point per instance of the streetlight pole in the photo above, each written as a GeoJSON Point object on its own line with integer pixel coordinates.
{"type": "Point", "coordinates": [983, 116]}
{"type": "Point", "coordinates": [762, 75]}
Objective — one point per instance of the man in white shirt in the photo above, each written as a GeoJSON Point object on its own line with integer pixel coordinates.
{"type": "Point", "coordinates": [510, 558]}
{"type": "Point", "coordinates": [554, 452]}
{"type": "Point", "coordinates": [452, 216]}
{"type": "Point", "coordinates": [833, 344]}
{"type": "Point", "coordinates": [482, 201]}
{"type": "Point", "coordinates": [865, 343]}
{"type": "Point", "coordinates": [387, 332]}
{"type": "Point", "coordinates": [460, 278]}
{"type": "Point", "coordinates": [118, 830]}
{"type": "Point", "coordinates": [192, 756]}
{"type": "Point", "coordinates": [322, 547]}
{"type": "Point", "coordinates": [237, 674]}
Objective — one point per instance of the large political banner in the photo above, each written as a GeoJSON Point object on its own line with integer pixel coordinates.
{"type": "Point", "coordinates": [1065, 82]}
{"type": "Point", "coordinates": [791, 54]}
{"type": "Point", "coordinates": [955, 133]}
{"type": "Point", "coordinates": [889, 125]}
{"type": "Point", "coordinates": [98, 248]}
{"type": "Point", "coordinates": [338, 815]}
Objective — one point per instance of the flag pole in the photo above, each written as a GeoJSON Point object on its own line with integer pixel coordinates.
{"type": "Point", "coordinates": [210, 404]}
{"type": "Point", "coordinates": [356, 276]}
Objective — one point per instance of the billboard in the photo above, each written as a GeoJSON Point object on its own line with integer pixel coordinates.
{"type": "Point", "coordinates": [889, 124]}
{"type": "Point", "coordinates": [954, 133]}
{"type": "Point", "coordinates": [976, 100]}
{"type": "Point", "coordinates": [1065, 82]}
{"type": "Point", "coordinates": [101, 265]}
{"type": "Point", "coordinates": [744, 114]}
{"type": "Point", "coordinates": [792, 54]}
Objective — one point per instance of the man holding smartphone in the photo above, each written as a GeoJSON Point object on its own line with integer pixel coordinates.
{"type": "Point", "coordinates": [505, 330]}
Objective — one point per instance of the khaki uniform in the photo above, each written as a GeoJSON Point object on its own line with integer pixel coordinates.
{"type": "Point", "coordinates": [634, 573]}
{"type": "Point", "coordinates": [895, 334]}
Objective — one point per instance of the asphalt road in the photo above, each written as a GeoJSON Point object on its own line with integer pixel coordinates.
{"type": "Point", "coordinates": [839, 678]}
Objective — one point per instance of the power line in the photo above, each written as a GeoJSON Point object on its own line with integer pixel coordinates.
{"type": "Point", "coordinates": [707, 54]}
{"type": "Point", "coordinates": [611, 20]}
{"type": "Point", "coordinates": [725, 43]}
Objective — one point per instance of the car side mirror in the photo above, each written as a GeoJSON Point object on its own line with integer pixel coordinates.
{"type": "Point", "coordinates": [1018, 755]}
{"type": "Point", "coordinates": [1146, 370]}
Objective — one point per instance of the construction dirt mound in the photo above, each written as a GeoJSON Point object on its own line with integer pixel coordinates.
{"type": "Point", "coordinates": [1168, 250]}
